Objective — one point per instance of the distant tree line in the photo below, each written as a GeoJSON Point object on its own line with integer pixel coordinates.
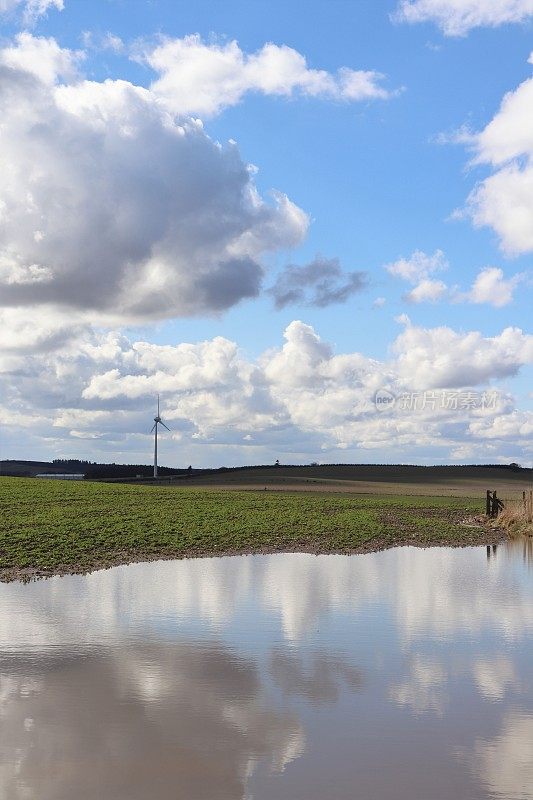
{"type": "Point", "coordinates": [93, 469]}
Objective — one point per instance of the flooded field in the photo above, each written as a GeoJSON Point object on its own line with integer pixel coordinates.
{"type": "Point", "coordinates": [390, 676]}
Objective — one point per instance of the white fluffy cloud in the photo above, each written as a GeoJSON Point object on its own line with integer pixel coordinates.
{"type": "Point", "coordinates": [40, 57]}
{"type": "Point", "coordinates": [517, 424]}
{"type": "Point", "coordinates": [441, 357]}
{"type": "Point", "coordinates": [427, 290]}
{"type": "Point", "coordinates": [31, 8]}
{"type": "Point", "coordinates": [417, 270]}
{"type": "Point", "coordinates": [458, 17]}
{"type": "Point", "coordinates": [301, 397]}
{"type": "Point", "coordinates": [115, 202]}
{"type": "Point", "coordinates": [200, 78]}
{"type": "Point", "coordinates": [490, 286]}
{"type": "Point", "coordinates": [110, 204]}
{"type": "Point", "coordinates": [504, 200]}
{"type": "Point", "coordinates": [418, 266]}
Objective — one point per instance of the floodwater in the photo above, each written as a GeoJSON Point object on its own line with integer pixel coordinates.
{"type": "Point", "coordinates": [402, 675]}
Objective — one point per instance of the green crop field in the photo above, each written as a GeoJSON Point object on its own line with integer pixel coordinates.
{"type": "Point", "coordinates": [51, 527]}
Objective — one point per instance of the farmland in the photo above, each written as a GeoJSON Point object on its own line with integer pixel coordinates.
{"type": "Point", "coordinates": [375, 479]}
{"type": "Point", "coordinates": [54, 527]}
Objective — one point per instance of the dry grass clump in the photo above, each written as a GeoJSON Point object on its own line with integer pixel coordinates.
{"type": "Point", "coordinates": [517, 515]}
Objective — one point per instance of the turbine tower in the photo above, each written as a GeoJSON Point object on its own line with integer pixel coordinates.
{"type": "Point", "coordinates": [157, 421]}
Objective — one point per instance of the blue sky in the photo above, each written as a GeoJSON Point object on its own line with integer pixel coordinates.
{"type": "Point", "coordinates": [379, 178]}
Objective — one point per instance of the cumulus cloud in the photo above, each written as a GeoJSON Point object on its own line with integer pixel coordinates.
{"type": "Point", "coordinates": [200, 78]}
{"type": "Point", "coordinates": [40, 57]}
{"type": "Point", "coordinates": [112, 205]}
{"type": "Point", "coordinates": [320, 283]}
{"type": "Point", "coordinates": [490, 285]}
{"type": "Point", "coordinates": [441, 357]}
{"type": "Point", "coordinates": [417, 270]}
{"type": "Point", "coordinates": [418, 266]}
{"type": "Point", "coordinates": [458, 17]}
{"type": "Point", "coordinates": [22, 333]}
{"type": "Point", "coordinates": [504, 200]}
{"type": "Point", "coordinates": [427, 291]}
{"type": "Point", "coordinates": [32, 9]}
{"type": "Point", "coordinates": [117, 203]}
{"type": "Point", "coordinates": [300, 397]}
{"type": "Point", "coordinates": [517, 424]}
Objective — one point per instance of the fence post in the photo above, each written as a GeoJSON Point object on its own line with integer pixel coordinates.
{"type": "Point", "coordinates": [489, 502]}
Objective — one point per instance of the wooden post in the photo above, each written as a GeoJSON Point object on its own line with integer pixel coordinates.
{"type": "Point", "coordinates": [494, 505]}
{"type": "Point", "coordinates": [497, 504]}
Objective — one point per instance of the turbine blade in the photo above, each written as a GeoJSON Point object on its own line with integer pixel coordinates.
{"type": "Point", "coordinates": [165, 426]}
{"type": "Point", "coordinates": [153, 427]}
{"type": "Point", "coordinates": [157, 405]}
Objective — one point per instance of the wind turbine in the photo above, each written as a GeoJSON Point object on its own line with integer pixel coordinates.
{"type": "Point", "coordinates": [157, 421]}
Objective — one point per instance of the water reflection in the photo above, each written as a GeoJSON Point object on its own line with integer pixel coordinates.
{"type": "Point", "coordinates": [261, 677]}
{"type": "Point", "coordinates": [424, 688]}
{"type": "Point", "coordinates": [320, 680]}
{"type": "Point", "coordinates": [155, 721]}
{"type": "Point", "coordinates": [504, 763]}
{"type": "Point", "coordinates": [519, 547]}
{"type": "Point", "coordinates": [494, 677]}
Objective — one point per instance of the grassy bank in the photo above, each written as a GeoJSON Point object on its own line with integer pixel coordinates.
{"type": "Point", "coordinates": [50, 527]}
